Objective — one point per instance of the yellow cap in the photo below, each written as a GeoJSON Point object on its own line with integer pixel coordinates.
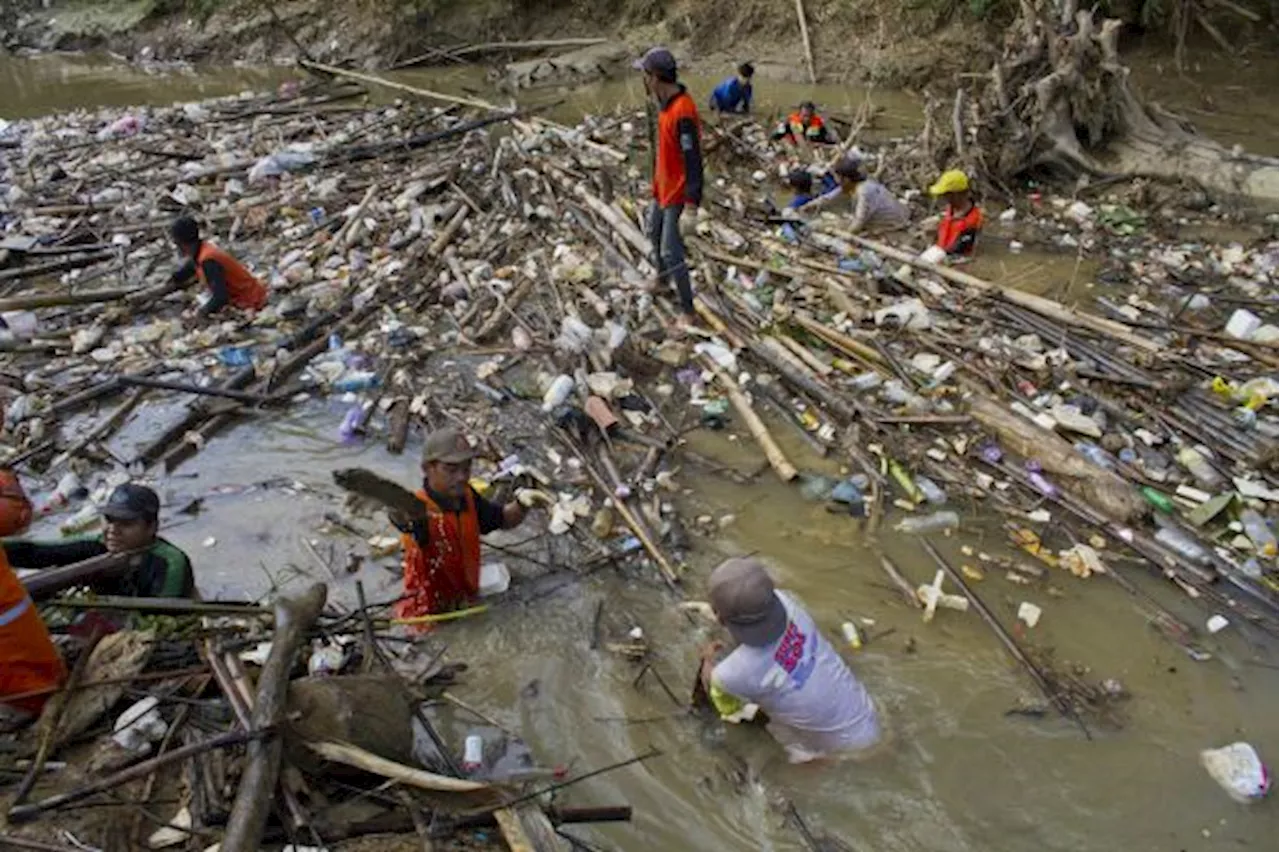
{"type": "Point", "coordinates": [950, 181]}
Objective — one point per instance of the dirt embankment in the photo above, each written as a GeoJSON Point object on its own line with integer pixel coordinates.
{"type": "Point", "coordinates": [903, 45]}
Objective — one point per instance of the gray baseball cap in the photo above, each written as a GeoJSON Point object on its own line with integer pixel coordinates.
{"type": "Point", "coordinates": [743, 596]}
{"type": "Point", "coordinates": [447, 445]}
{"type": "Point", "coordinates": [657, 60]}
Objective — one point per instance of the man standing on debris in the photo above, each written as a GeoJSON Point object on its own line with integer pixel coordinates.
{"type": "Point", "coordinates": [677, 172]}
{"type": "Point", "coordinates": [734, 94]}
{"type": "Point", "coordinates": [225, 277]}
{"type": "Point", "coordinates": [804, 125]}
{"type": "Point", "coordinates": [783, 666]}
{"type": "Point", "coordinates": [132, 514]}
{"type": "Point", "coordinates": [442, 552]}
{"type": "Point", "coordinates": [28, 660]}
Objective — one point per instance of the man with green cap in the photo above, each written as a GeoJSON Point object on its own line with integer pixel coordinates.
{"type": "Point", "coordinates": [442, 553]}
{"type": "Point", "coordinates": [784, 666]}
{"type": "Point", "coordinates": [132, 514]}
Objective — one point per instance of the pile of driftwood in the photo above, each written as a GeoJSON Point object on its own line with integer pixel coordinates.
{"type": "Point", "coordinates": [478, 267]}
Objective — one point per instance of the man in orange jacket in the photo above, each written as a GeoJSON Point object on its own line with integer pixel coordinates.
{"type": "Point", "coordinates": [677, 172]}
{"type": "Point", "coordinates": [442, 554]}
{"type": "Point", "coordinates": [28, 661]}
{"type": "Point", "coordinates": [225, 277]}
{"type": "Point", "coordinates": [804, 125]}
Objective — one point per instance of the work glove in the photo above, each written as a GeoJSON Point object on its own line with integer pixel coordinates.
{"type": "Point", "coordinates": [531, 497]}
{"type": "Point", "coordinates": [689, 222]}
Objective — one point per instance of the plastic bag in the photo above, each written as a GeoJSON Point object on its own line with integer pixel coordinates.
{"type": "Point", "coordinates": [1238, 770]}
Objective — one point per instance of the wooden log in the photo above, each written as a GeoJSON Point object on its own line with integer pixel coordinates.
{"type": "Point", "coordinates": [621, 225]}
{"type": "Point", "coordinates": [199, 390]}
{"type": "Point", "coordinates": [804, 354]}
{"type": "Point", "coordinates": [294, 619]}
{"type": "Point", "coordinates": [25, 813]}
{"type": "Point", "coordinates": [804, 38]}
{"type": "Point", "coordinates": [350, 755]}
{"type": "Point", "coordinates": [391, 84]}
{"type": "Point", "coordinates": [49, 268]}
{"type": "Point", "coordinates": [49, 582]}
{"type": "Point", "coordinates": [58, 300]}
{"type": "Point", "coordinates": [449, 231]}
{"type": "Point", "coordinates": [102, 430]}
{"type": "Point", "coordinates": [777, 459]}
{"type": "Point", "coordinates": [78, 400]}
{"type": "Point", "coordinates": [804, 381]}
{"type": "Point", "coordinates": [533, 44]}
{"type": "Point", "coordinates": [850, 345]}
{"type": "Point", "coordinates": [1045, 307]}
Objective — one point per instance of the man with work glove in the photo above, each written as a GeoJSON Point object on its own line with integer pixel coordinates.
{"type": "Point", "coordinates": [442, 552]}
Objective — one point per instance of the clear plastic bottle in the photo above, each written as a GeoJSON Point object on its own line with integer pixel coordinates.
{"type": "Point", "coordinates": [1198, 466]}
{"type": "Point", "coordinates": [1095, 454]}
{"type": "Point", "coordinates": [1183, 544]}
{"type": "Point", "coordinates": [937, 522]}
{"type": "Point", "coordinates": [931, 490]}
{"type": "Point", "coordinates": [1259, 532]}
{"type": "Point", "coordinates": [557, 393]}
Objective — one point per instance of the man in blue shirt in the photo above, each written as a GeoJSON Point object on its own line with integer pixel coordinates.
{"type": "Point", "coordinates": [734, 94]}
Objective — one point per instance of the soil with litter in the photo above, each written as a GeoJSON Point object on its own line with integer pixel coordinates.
{"type": "Point", "coordinates": [542, 661]}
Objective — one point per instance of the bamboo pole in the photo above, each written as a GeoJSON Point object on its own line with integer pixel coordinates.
{"type": "Point", "coordinates": [804, 37]}
{"type": "Point", "coordinates": [294, 618]}
{"type": "Point", "coordinates": [350, 755]}
{"type": "Point", "coordinates": [391, 84]}
{"type": "Point", "coordinates": [777, 459]}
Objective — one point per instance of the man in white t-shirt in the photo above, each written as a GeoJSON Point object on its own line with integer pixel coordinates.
{"type": "Point", "coordinates": [785, 667]}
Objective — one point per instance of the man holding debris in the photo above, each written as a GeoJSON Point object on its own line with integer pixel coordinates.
{"type": "Point", "coordinates": [677, 172]}
{"type": "Point", "coordinates": [874, 208]}
{"type": "Point", "coordinates": [225, 277]}
{"type": "Point", "coordinates": [28, 660]}
{"type": "Point", "coordinates": [442, 550]}
{"type": "Point", "coordinates": [132, 514]}
{"type": "Point", "coordinates": [783, 666]}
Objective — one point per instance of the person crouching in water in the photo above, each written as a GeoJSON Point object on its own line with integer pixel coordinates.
{"type": "Point", "coordinates": [228, 282]}
{"type": "Point", "coordinates": [734, 93]}
{"type": "Point", "coordinates": [442, 553]}
{"type": "Point", "coordinates": [784, 666]}
{"type": "Point", "coordinates": [962, 220]}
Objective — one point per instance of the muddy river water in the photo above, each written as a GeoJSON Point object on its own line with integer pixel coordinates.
{"type": "Point", "coordinates": [961, 774]}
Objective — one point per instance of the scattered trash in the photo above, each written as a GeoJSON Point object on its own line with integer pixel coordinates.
{"type": "Point", "coordinates": [1238, 770]}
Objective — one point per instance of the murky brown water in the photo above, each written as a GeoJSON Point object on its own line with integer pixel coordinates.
{"type": "Point", "coordinates": [962, 775]}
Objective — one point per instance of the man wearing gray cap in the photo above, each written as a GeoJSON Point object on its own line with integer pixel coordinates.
{"type": "Point", "coordinates": [675, 139]}
{"type": "Point", "coordinates": [785, 667]}
{"type": "Point", "coordinates": [442, 553]}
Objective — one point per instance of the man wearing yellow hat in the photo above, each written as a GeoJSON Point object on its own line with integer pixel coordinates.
{"type": "Point", "coordinates": [962, 220]}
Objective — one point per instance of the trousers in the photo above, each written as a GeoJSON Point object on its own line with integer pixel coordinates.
{"type": "Point", "coordinates": [668, 251]}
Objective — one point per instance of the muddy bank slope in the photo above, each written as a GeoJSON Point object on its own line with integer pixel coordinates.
{"type": "Point", "coordinates": [850, 41]}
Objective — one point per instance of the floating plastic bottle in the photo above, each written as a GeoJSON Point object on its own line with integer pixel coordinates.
{"type": "Point", "coordinates": [61, 495]}
{"type": "Point", "coordinates": [937, 522]}
{"type": "Point", "coordinates": [1199, 468]}
{"type": "Point", "coordinates": [1095, 454]}
{"type": "Point", "coordinates": [991, 453]}
{"type": "Point", "coordinates": [1038, 480]}
{"type": "Point", "coordinates": [1183, 545]}
{"type": "Point", "coordinates": [557, 393]}
{"type": "Point", "coordinates": [359, 381]}
{"type": "Point", "coordinates": [1259, 532]}
{"type": "Point", "coordinates": [932, 492]}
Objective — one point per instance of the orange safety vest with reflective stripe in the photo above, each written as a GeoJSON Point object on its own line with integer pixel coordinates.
{"type": "Point", "coordinates": [795, 128]}
{"type": "Point", "coordinates": [243, 290]}
{"type": "Point", "coordinates": [958, 234]}
{"type": "Point", "coordinates": [445, 574]}
{"type": "Point", "coordinates": [28, 660]}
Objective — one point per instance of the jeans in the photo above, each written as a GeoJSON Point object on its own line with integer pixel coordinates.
{"type": "Point", "coordinates": [668, 251]}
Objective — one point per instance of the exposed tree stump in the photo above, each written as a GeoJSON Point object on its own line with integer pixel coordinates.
{"type": "Point", "coordinates": [1059, 98]}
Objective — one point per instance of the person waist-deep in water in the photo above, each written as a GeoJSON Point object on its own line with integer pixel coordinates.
{"type": "Point", "coordinates": [29, 662]}
{"type": "Point", "coordinates": [734, 93]}
{"type": "Point", "coordinates": [873, 207]}
{"type": "Point", "coordinates": [784, 666]}
{"type": "Point", "coordinates": [442, 553]}
{"type": "Point", "coordinates": [804, 125]}
{"type": "Point", "coordinates": [962, 219]}
{"type": "Point", "coordinates": [677, 172]}
{"type": "Point", "coordinates": [226, 279]}
{"type": "Point", "coordinates": [132, 516]}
